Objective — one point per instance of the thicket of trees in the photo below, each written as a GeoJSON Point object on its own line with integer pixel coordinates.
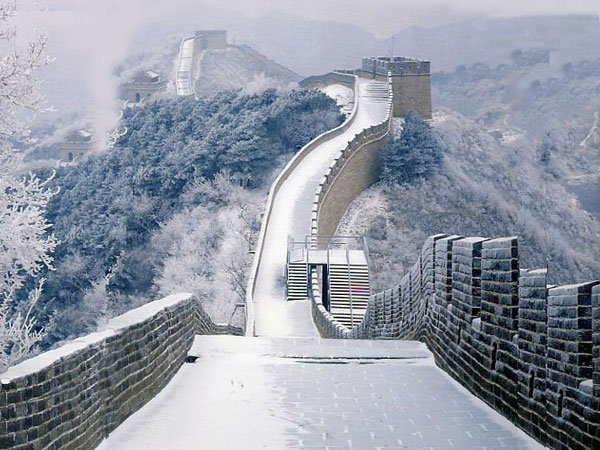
{"type": "Point", "coordinates": [164, 203]}
{"type": "Point", "coordinates": [534, 98]}
{"type": "Point", "coordinates": [416, 153]}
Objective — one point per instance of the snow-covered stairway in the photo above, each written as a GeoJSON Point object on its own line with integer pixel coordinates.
{"type": "Point", "coordinates": [297, 280]}
{"type": "Point", "coordinates": [377, 91]}
{"type": "Point", "coordinates": [349, 287]}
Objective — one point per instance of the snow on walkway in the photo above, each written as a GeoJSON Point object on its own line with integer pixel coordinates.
{"type": "Point", "coordinates": [343, 96]}
{"type": "Point", "coordinates": [277, 393]}
{"type": "Point", "coordinates": [291, 215]}
{"type": "Point", "coordinates": [184, 82]}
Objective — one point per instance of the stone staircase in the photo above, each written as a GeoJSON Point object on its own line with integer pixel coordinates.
{"type": "Point", "coordinates": [376, 91]}
{"type": "Point", "coordinates": [349, 290]}
{"type": "Point", "coordinates": [297, 280]}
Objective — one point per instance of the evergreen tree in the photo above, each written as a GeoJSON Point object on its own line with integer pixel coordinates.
{"type": "Point", "coordinates": [414, 155]}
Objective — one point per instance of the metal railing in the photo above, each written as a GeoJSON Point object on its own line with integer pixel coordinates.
{"type": "Point", "coordinates": [319, 242]}
{"type": "Point", "coordinates": [350, 288]}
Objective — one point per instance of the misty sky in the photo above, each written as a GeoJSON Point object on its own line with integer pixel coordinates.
{"type": "Point", "coordinates": [384, 17]}
{"type": "Point", "coordinates": [380, 17]}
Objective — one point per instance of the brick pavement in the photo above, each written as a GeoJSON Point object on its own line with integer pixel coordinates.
{"type": "Point", "coordinates": [314, 394]}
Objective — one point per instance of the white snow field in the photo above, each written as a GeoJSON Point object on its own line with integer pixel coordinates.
{"type": "Point", "coordinates": [291, 216]}
{"type": "Point", "coordinates": [278, 393]}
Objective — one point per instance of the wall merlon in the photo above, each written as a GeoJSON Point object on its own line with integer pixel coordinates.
{"type": "Point", "coordinates": [505, 242]}
{"type": "Point", "coordinates": [570, 335]}
{"type": "Point", "coordinates": [470, 242]}
{"type": "Point", "coordinates": [571, 289]}
{"type": "Point", "coordinates": [533, 278]}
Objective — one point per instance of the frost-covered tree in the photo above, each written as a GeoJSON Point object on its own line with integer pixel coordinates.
{"type": "Point", "coordinates": [25, 243]}
{"type": "Point", "coordinates": [414, 154]}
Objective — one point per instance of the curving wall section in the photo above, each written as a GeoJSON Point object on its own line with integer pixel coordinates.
{"type": "Point", "coordinates": [74, 396]}
{"type": "Point", "coordinates": [357, 168]}
{"type": "Point", "coordinates": [281, 178]}
{"type": "Point", "coordinates": [529, 350]}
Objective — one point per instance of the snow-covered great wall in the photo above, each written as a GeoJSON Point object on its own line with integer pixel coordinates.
{"type": "Point", "coordinates": [289, 210]}
{"type": "Point", "coordinates": [531, 351]}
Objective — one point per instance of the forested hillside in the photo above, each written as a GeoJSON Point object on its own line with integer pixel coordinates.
{"type": "Point", "coordinates": [531, 97]}
{"type": "Point", "coordinates": [164, 209]}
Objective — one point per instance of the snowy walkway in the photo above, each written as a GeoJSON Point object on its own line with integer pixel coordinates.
{"type": "Point", "coordinates": [184, 82]}
{"type": "Point", "coordinates": [291, 215]}
{"type": "Point", "coordinates": [277, 393]}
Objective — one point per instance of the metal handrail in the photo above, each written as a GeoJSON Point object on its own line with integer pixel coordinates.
{"type": "Point", "coordinates": [328, 282]}
{"type": "Point", "coordinates": [350, 288]}
{"type": "Point", "coordinates": [287, 268]}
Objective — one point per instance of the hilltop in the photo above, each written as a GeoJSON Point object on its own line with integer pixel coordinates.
{"type": "Point", "coordinates": [240, 67]}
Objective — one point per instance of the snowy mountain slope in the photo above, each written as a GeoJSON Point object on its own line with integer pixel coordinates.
{"type": "Point", "coordinates": [240, 67]}
{"type": "Point", "coordinates": [486, 188]}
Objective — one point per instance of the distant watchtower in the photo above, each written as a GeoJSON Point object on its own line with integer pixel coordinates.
{"type": "Point", "coordinates": [411, 82]}
{"type": "Point", "coordinates": [211, 40]}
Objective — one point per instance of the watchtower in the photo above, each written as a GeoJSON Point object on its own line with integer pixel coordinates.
{"type": "Point", "coordinates": [411, 82]}
{"type": "Point", "coordinates": [76, 144]}
{"type": "Point", "coordinates": [211, 40]}
{"type": "Point", "coordinates": [144, 85]}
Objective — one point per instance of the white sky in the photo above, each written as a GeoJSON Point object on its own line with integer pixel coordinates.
{"type": "Point", "coordinates": [384, 17]}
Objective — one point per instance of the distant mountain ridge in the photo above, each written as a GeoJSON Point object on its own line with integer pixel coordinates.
{"type": "Point", "coordinates": [311, 48]}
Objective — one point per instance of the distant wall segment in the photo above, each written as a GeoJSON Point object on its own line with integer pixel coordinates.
{"type": "Point", "coordinates": [345, 78]}
{"type": "Point", "coordinates": [74, 396]}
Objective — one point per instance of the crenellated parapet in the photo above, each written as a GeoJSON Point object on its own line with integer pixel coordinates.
{"type": "Point", "coordinates": [530, 350]}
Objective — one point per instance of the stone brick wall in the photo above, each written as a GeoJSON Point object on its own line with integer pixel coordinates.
{"type": "Point", "coordinates": [412, 92]}
{"type": "Point", "coordinates": [74, 396]}
{"type": "Point", "coordinates": [358, 168]}
{"type": "Point", "coordinates": [530, 351]}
